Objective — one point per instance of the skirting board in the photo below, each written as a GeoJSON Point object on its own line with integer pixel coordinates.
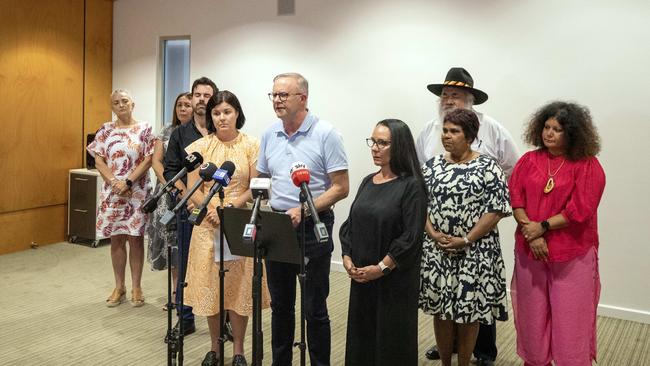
{"type": "Point", "coordinates": [633, 315]}
{"type": "Point", "coordinates": [603, 309]}
{"type": "Point", "coordinates": [337, 266]}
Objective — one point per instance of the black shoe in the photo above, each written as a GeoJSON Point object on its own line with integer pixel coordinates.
{"type": "Point", "coordinates": [188, 328]}
{"type": "Point", "coordinates": [480, 361]}
{"type": "Point", "coordinates": [239, 360]}
{"type": "Point", "coordinates": [211, 359]}
{"type": "Point", "coordinates": [434, 354]}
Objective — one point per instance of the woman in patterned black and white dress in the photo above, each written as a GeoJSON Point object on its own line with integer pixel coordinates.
{"type": "Point", "coordinates": [462, 272]}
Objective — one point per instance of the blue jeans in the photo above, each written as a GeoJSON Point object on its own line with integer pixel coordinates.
{"type": "Point", "coordinates": [184, 235]}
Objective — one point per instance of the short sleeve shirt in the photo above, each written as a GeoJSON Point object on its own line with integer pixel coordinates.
{"type": "Point", "coordinates": [316, 143]}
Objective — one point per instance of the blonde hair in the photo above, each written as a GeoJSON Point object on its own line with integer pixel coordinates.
{"type": "Point", "coordinates": [122, 91]}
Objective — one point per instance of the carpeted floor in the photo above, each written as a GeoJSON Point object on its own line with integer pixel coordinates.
{"type": "Point", "coordinates": [53, 313]}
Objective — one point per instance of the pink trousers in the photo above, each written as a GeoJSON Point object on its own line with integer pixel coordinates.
{"type": "Point", "coordinates": [555, 309]}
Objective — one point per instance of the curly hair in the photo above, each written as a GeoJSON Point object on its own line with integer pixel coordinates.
{"type": "Point", "coordinates": [581, 136]}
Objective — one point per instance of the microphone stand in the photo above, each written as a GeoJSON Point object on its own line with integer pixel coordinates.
{"type": "Point", "coordinates": [222, 274]}
{"type": "Point", "coordinates": [171, 338]}
{"type": "Point", "coordinates": [302, 345]}
{"type": "Point", "coordinates": [174, 339]}
{"type": "Point", "coordinates": [258, 255]}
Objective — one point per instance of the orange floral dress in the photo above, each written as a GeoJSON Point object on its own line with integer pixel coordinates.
{"type": "Point", "coordinates": [202, 291]}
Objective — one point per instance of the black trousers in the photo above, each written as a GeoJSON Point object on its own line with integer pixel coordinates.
{"type": "Point", "coordinates": [281, 278]}
{"type": "Point", "coordinates": [184, 236]}
{"type": "Point", "coordinates": [486, 342]}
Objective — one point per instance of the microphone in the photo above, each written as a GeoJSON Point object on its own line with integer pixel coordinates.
{"type": "Point", "coordinates": [222, 178]}
{"type": "Point", "coordinates": [205, 169]}
{"type": "Point", "coordinates": [261, 189]}
{"type": "Point", "coordinates": [300, 177]}
{"type": "Point", "coordinates": [191, 162]}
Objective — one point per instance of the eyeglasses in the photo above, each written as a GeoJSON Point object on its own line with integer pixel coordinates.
{"type": "Point", "coordinates": [282, 96]}
{"type": "Point", "coordinates": [381, 144]}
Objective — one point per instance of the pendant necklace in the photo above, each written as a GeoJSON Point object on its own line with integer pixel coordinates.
{"type": "Point", "coordinates": [550, 183]}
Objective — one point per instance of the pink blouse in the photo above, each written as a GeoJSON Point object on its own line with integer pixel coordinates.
{"type": "Point", "coordinates": [578, 188]}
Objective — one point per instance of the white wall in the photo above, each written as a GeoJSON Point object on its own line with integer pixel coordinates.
{"type": "Point", "coordinates": [369, 60]}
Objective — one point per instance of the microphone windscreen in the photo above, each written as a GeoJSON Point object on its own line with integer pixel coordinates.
{"type": "Point", "coordinates": [192, 161]}
{"type": "Point", "coordinates": [300, 176]}
{"type": "Point", "coordinates": [206, 171]}
{"type": "Point", "coordinates": [298, 165]}
{"type": "Point", "coordinates": [229, 167]}
{"type": "Point", "coordinates": [299, 173]}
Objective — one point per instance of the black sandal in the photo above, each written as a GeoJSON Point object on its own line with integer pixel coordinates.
{"type": "Point", "coordinates": [211, 359]}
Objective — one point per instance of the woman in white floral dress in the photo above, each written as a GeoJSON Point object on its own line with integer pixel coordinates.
{"type": "Point", "coordinates": [122, 151]}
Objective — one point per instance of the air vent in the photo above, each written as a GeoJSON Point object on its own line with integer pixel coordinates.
{"type": "Point", "coordinates": [286, 7]}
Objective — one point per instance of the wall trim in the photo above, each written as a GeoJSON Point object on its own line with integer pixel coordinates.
{"type": "Point", "coordinates": [337, 266]}
{"type": "Point", "coordinates": [634, 315]}
{"type": "Point", "coordinates": [618, 312]}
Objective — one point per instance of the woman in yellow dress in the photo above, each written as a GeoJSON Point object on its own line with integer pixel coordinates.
{"type": "Point", "coordinates": [225, 118]}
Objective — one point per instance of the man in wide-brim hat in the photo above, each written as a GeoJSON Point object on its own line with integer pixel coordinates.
{"type": "Point", "coordinates": [458, 91]}
{"type": "Point", "coordinates": [459, 78]}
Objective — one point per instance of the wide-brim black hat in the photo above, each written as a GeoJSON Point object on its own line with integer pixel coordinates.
{"type": "Point", "coordinates": [459, 78]}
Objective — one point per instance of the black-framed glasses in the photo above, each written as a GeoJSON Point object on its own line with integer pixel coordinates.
{"type": "Point", "coordinates": [382, 144]}
{"type": "Point", "coordinates": [282, 96]}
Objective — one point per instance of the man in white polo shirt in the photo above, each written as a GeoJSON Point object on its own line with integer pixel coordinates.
{"type": "Point", "coordinates": [457, 91]}
{"type": "Point", "coordinates": [301, 136]}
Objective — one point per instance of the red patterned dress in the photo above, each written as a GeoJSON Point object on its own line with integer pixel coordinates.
{"type": "Point", "coordinates": [123, 149]}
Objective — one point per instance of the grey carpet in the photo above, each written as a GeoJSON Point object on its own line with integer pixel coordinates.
{"type": "Point", "coordinates": [52, 312]}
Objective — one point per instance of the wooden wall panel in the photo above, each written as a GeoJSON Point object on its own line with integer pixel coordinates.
{"type": "Point", "coordinates": [43, 225]}
{"type": "Point", "coordinates": [41, 80]}
{"type": "Point", "coordinates": [47, 74]}
{"type": "Point", "coordinates": [98, 73]}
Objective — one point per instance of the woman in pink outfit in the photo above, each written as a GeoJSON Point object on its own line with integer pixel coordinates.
{"type": "Point", "coordinates": [555, 191]}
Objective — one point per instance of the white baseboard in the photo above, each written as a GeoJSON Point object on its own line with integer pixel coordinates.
{"type": "Point", "coordinates": [337, 266]}
{"type": "Point", "coordinates": [611, 311]}
{"type": "Point", "coordinates": [624, 313]}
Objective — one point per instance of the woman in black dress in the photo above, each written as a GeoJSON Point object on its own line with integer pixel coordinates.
{"type": "Point", "coordinates": [381, 244]}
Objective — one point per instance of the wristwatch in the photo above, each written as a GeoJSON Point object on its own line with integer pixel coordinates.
{"type": "Point", "coordinates": [129, 183]}
{"type": "Point", "coordinates": [384, 268]}
{"type": "Point", "coordinates": [545, 225]}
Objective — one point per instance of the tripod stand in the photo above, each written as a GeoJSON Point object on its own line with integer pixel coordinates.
{"type": "Point", "coordinates": [222, 275]}
{"type": "Point", "coordinates": [175, 337]}
{"type": "Point", "coordinates": [302, 345]}
{"type": "Point", "coordinates": [275, 240]}
{"type": "Point", "coordinates": [171, 338]}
